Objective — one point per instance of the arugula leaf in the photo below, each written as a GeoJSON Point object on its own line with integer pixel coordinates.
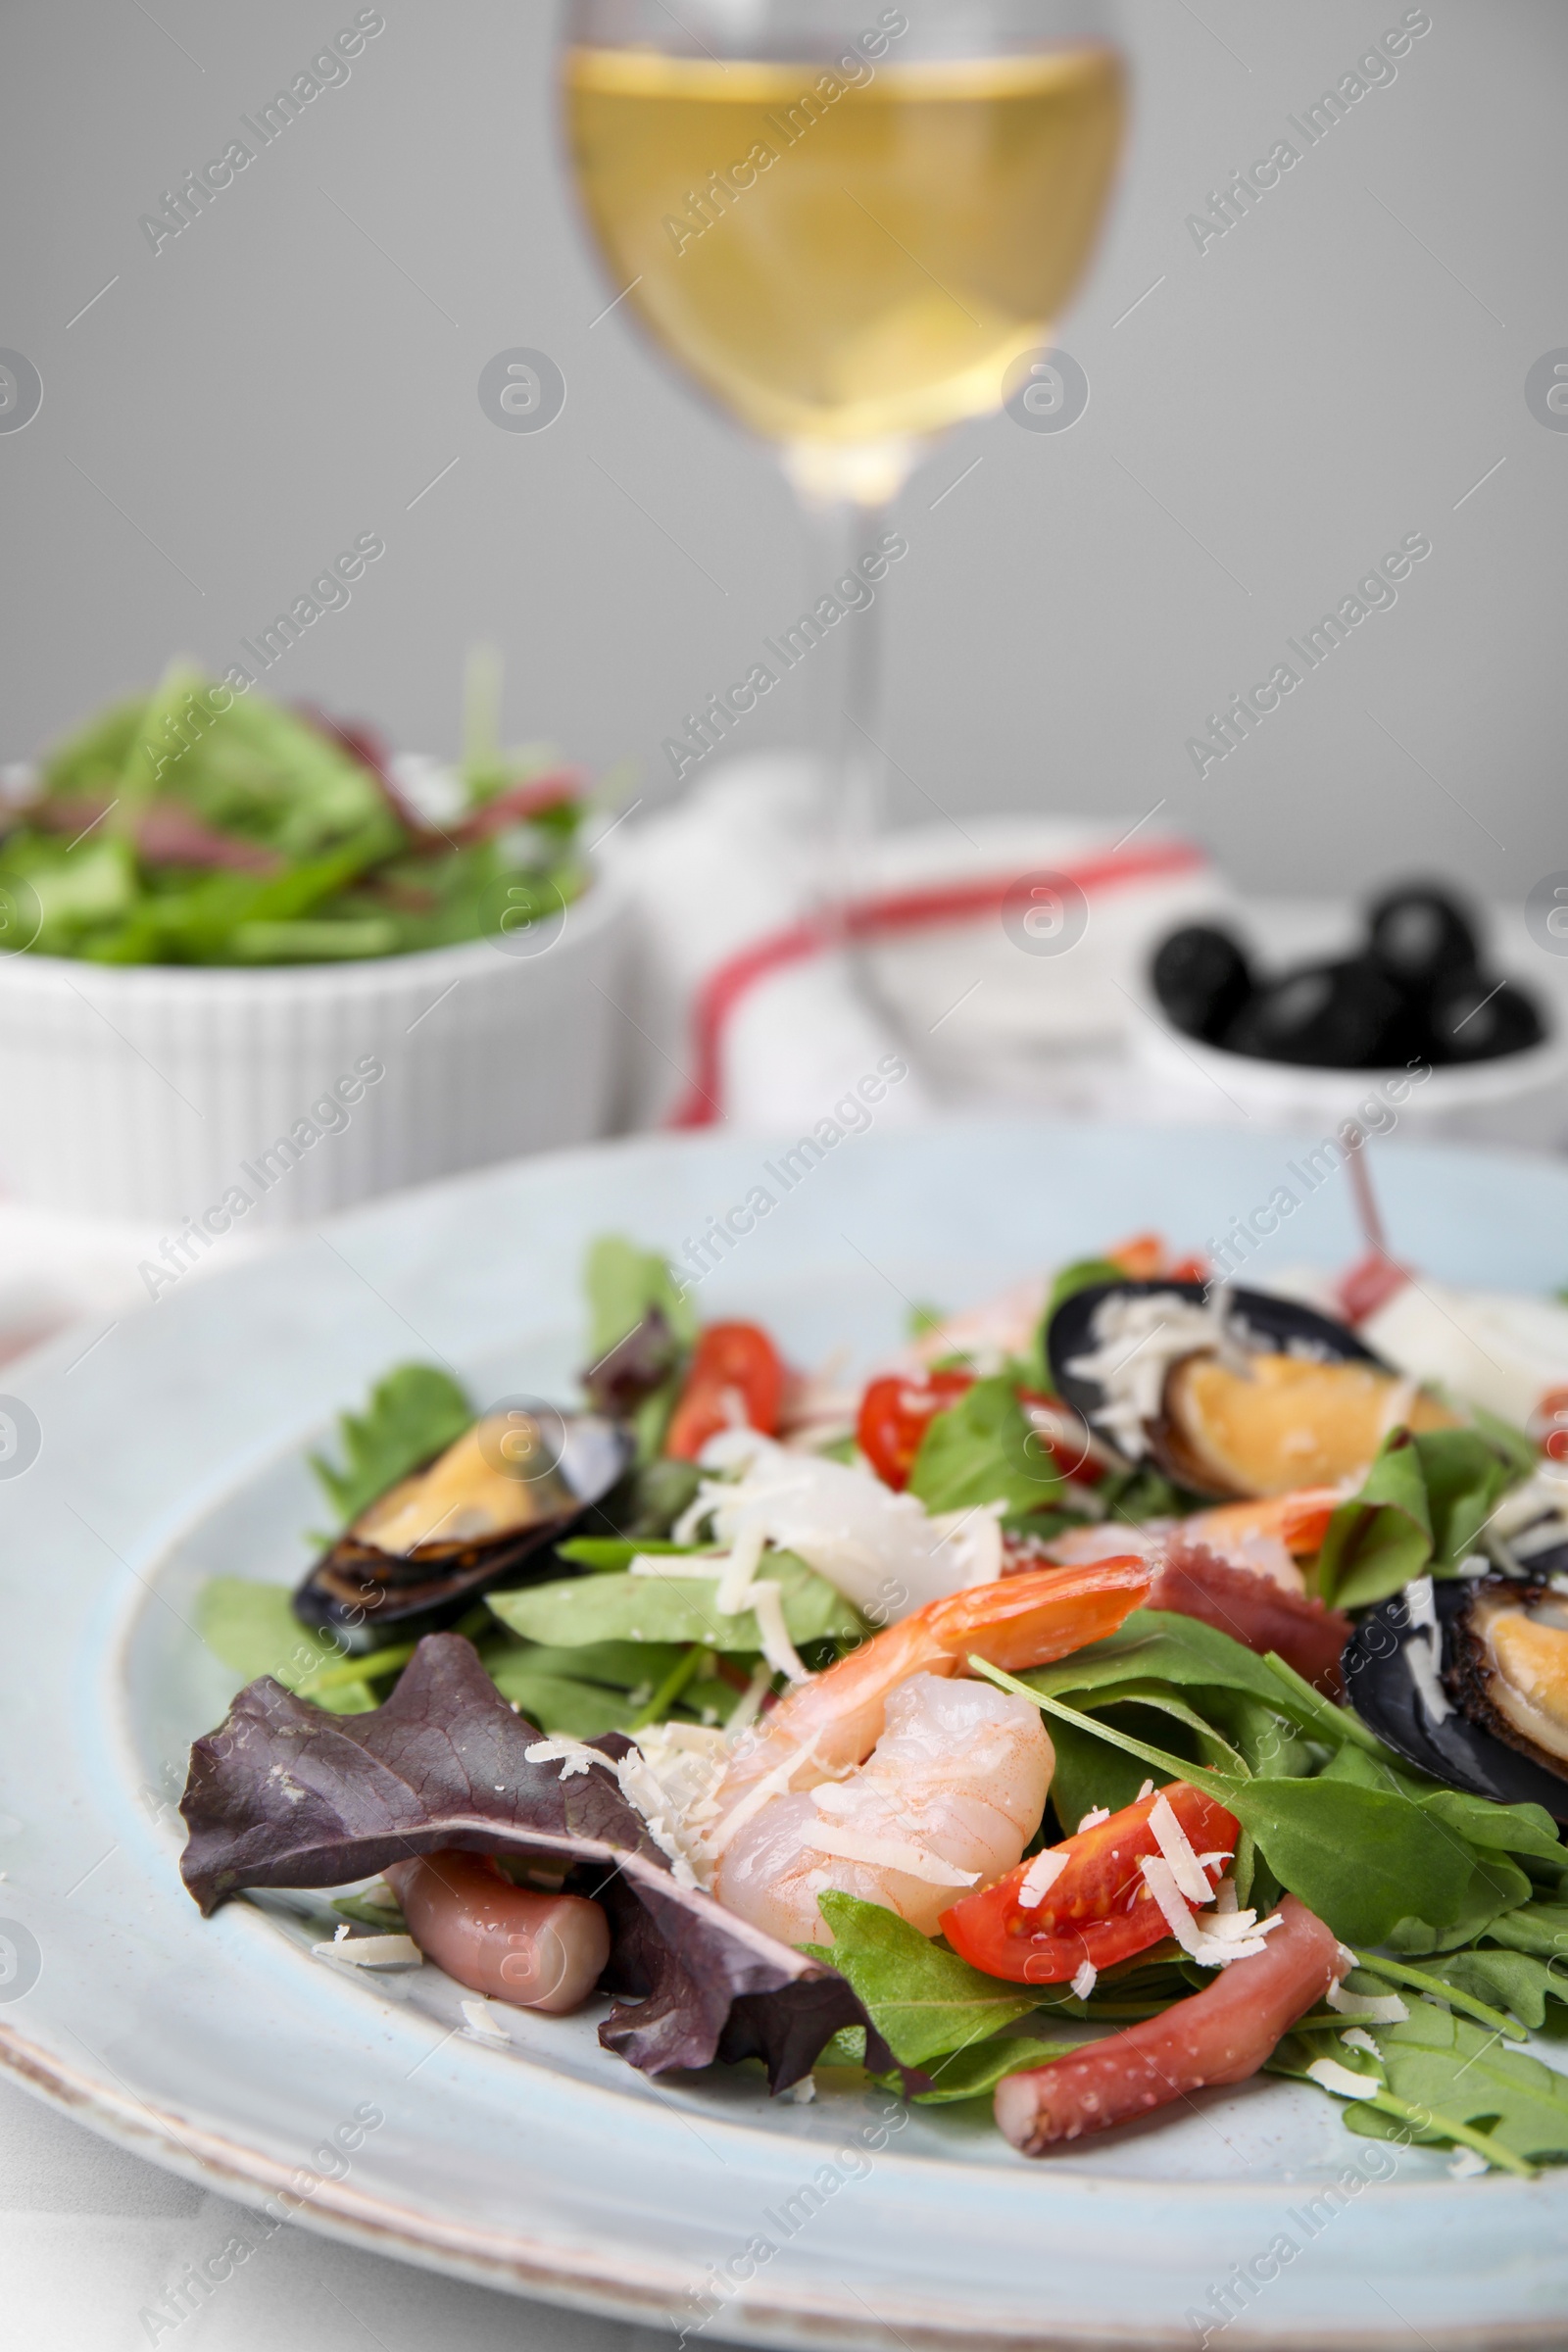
{"type": "Point", "coordinates": [923, 1999]}
{"type": "Point", "coordinates": [973, 2073]}
{"type": "Point", "coordinates": [1540, 1927]}
{"type": "Point", "coordinates": [675, 1608]}
{"type": "Point", "coordinates": [253, 1629]}
{"type": "Point", "coordinates": [1509, 1979]}
{"type": "Point", "coordinates": [1440, 2061]}
{"type": "Point", "coordinates": [982, 1450]}
{"type": "Point", "coordinates": [623, 1283]}
{"type": "Point", "coordinates": [1364, 1858]}
{"type": "Point", "coordinates": [1424, 1503]}
{"type": "Point", "coordinates": [1081, 1275]}
{"type": "Point", "coordinates": [413, 1415]}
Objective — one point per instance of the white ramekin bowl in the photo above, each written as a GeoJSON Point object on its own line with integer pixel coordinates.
{"type": "Point", "coordinates": [159, 1093]}
{"type": "Point", "coordinates": [1520, 1099]}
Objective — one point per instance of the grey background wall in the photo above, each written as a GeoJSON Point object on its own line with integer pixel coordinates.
{"type": "Point", "coordinates": [295, 366]}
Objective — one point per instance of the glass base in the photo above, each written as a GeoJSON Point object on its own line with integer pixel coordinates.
{"type": "Point", "coordinates": [861, 474]}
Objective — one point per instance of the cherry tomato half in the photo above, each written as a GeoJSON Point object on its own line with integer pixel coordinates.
{"type": "Point", "coordinates": [895, 1413]}
{"type": "Point", "coordinates": [1098, 1909]}
{"type": "Point", "coordinates": [736, 1374]}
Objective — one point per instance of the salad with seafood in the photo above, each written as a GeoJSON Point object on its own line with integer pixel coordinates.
{"type": "Point", "coordinates": [1139, 1683]}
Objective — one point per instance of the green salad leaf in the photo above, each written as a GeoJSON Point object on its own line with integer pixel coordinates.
{"type": "Point", "coordinates": [675, 1608]}
{"type": "Point", "coordinates": [253, 1629]}
{"type": "Point", "coordinates": [413, 1415]}
{"type": "Point", "coordinates": [1422, 1506]}
{"type": "Point", "coordinates": [924, 2000]}
{"type": "Point", "coordinates": [982, 1450]}
{"type": "Point", "coordinates": [623, 1283]}
{"type": "Point", "coordinates": [1447, 2064]}
{"type": "Point", "coordinates": [194, 825]}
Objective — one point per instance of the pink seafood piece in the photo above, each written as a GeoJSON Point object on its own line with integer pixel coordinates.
{"type": "Point", "coordinates": [1256, 1613]}
{"type": "Point", "coordinates": [1221, 2034]}
{"type": "Point", "coordinates": [512, 1943]}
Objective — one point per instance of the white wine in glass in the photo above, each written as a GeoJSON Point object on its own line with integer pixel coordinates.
{"type": "Point", "coordinates": [846, 226]}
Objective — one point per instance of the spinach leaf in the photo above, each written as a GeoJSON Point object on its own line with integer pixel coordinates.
{"type": "Point", "coordinates": [1424, 1503]}
{"type": "Point", "coordinates": [414, 1415]}
{"type": "Point", "coordinates": [924, 2000]}
{"type": "Point", "coordinates": [982, 1450]}
{"type": "Point", "coordinates": [558, 1702]}
{"type": "Point", "coordinates": [253, 1629]}
{"type": "Point", "coordinates": [675, 1608]}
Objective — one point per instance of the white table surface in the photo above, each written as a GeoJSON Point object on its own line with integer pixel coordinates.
{"type": "Point", "coordinates": [91, 2239]}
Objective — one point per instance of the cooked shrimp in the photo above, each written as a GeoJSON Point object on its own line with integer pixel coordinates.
{"type": "Point", "coordinates": [956, 1783]}
{"type": "Point", "coordinates": [949, 1800]}
{"type": "Point", "coordinates": [828, 1725]}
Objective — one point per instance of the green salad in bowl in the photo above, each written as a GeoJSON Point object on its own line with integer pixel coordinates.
{"type": "Point", "coordinates": [194, 825]}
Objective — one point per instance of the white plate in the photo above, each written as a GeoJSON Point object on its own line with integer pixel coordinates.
{"type": "Point", "coordinates": [174, 1449]}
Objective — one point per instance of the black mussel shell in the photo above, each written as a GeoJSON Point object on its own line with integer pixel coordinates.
{"type": "Point", "coordinates": [1459, 1751]}
{"type": "Point", "coordinates": [368, 1596]}
{"type": "Point", "coordinates": [1261, 1322]}
{"type": "Point", "coordinates": [1421, 936]}
{"type": "Point", "coordinates": [1475, 1018]}
{"type": "Point", "coordinates": [1202, 980]}
{"type": "Point", "coordinates": [1347, 1015]}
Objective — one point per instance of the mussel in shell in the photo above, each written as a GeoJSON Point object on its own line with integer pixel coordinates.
{"type": "Point", "coordinates": [1509, 1667]}
{"type": "Point", "coordinates": [418, 1556]}
{"type": "Point", "coordinates": [1233, 1393]}
{"type": "Point", "coordinates": [1471, 1686]}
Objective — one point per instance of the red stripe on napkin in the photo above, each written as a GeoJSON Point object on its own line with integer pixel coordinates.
{"type": "Point", "coordinates": [876, 917]}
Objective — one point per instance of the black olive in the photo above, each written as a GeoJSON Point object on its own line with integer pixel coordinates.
{"type": "Point", "coordinates": [1475, 1019]}
{"type": "Point", "coordinates": [1201, 978]}
{"type": "Point", "coordinates": [1347, 1015]}
{"type": "Point", "coordinates": [1421, 937]}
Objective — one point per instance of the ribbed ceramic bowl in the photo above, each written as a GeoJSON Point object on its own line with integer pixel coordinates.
{"type": "Point", "coordinates": [162, 1093]}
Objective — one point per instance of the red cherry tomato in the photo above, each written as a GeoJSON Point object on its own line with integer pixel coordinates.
{"type": "Point", "coordinates": [1098, 1909]}
{"type": "Point", "coordinates": [736, 1375]}
{"type": "Point", "coordinates": [895, 1412]}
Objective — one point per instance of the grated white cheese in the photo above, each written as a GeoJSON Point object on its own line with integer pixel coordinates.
{"type": "Point", "coordinates": [372, 1951]}
{"type": "Point", "coordinates": [1148, 1790]}
{"type": "Point", "coordinates": [1423, 1652]}
{"type": "Point", "coordinates": [1358, 2039]}
{"type": "Point", "coordinates": [1085, 1981]}
{"type": "Point", "coordinates": [1378, 2009]}
{"type": "Point", "coordinates": [804, 2091]}
{"type": "Point", "coordinates": [1176, 1847]}
{"type": "Point", "coordinates": [866, 1540]}
{"type": "Point", "coordinates": [1039, 1878]}
{"type": "Point", "coordinates": [1467, 2163]}
{"type": "Point", "coordinates": [749, 1705]}
{"type": "Point", "coordinates": [766, 1601]}
{"type": "Point", "coordinates": [483, 2022]}
{"type": "Point", "coordinates": [1092, 1817]}
{"type": "Point", "coordinates": [1137, 1338]}
{"type": "Point", "coordinates": [888, 1854]}
{"type": "Point", "coordinates": [572, 1755]}
{"type": "Point", "coordinates": [1213, 1939]}
{"type": "Point", "coordinates": [1329, 2075]}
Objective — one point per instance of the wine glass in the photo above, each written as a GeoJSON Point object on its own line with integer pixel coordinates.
{"type": "Point", "coordinates": [848, 223]}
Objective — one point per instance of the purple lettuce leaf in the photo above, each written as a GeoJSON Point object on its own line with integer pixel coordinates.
{"type": "Point", "coordinates": [283, 1794]}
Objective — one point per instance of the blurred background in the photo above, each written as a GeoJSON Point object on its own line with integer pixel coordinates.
{"type": "Point", "coordinates": [1267, 416]}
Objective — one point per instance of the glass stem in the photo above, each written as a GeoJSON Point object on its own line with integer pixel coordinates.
{"type": "Point", "coordinates": [848, 693]}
